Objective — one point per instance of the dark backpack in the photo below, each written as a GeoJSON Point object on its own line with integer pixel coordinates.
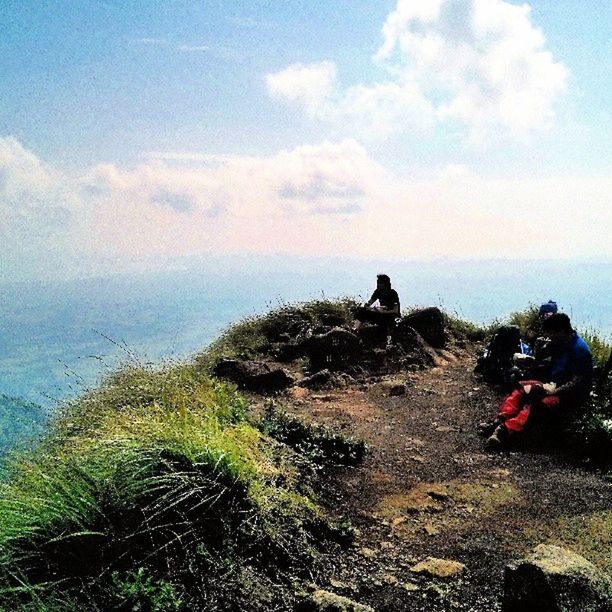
{"type": "Point", "coordinates": [495, 364]}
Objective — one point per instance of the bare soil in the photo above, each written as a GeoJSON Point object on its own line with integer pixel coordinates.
{"type": "Point", "coordinates": [429, 489]}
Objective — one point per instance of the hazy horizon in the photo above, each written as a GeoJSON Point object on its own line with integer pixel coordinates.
{"type": "Point", "coordinates": [59, 337]}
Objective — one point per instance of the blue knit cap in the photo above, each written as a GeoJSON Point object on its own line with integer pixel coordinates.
{"type": "Point", "coordinates": [548, 308]}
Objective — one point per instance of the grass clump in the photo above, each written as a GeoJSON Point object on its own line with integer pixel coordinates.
{"type": "Point", "coordinates": [317, 442]}
{"type": "Point", "coordinates": [152, 492]}
{"type": "Point", "coordinates": [525, 320]}
{"type": "Point", "coordinates": [461, 328]}
{"type": "Point", "coordinates": [251, 336]}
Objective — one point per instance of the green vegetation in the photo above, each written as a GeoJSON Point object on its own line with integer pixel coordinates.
{"type": "Point", "coordinates": [460, 328]}
{"type": "Point", "coordinates": [153, 492]}
{"type": "Point", "coordinates": [525, 319]}
{"type": "Point", "coordinates": [249, 337]}
{"type": "Point", "coordinates": [600, 347]}
{"type": "Point", "coordinates": [317, 442]}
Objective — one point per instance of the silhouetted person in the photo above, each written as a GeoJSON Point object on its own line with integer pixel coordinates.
{"type": "Point", "coordinates": [386, 312]}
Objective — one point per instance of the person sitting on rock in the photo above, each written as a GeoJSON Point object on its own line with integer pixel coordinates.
{"type": "Point", "coordinates": [569, 384]}
{"type": "Point", "coordinates": [386, 312]}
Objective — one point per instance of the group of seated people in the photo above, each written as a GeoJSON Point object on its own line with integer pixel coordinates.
{"type": "Point", "coordinates": [560, 363]}
{"type": "Point", "coordinates": [562, 377]}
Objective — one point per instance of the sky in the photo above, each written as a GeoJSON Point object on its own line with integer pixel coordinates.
{"type": "Point", "coordinates": [135, 135]}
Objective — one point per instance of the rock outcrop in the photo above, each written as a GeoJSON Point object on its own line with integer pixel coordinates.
{"type": "Point", "coordinates": [555, 579]}
{"type": "Point", "coordinates": [429, 323]}
{"type": "Point", "coordinates": [253, 375]}
{"type": "Point", "coordinates": [333, 350]}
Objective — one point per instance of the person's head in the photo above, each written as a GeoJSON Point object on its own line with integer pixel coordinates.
{"type": "Point", "coordinates": [547, 309]}
{"type": "Point", "coordinates": [558, 327]}
{"type": "Point", "coordinates": [383, 282]}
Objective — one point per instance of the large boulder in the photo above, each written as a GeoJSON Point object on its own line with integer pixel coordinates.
{"type": "Point", "coordinates": [372, 336]}
{"type": "Point", "coordinates": [333, 350]}
{"type": "Point", "coordinates": [429, 323]}
{"type": "Point", "coordinates": [554, 579]}
{"type": "Point", "coordinates": [253, 375]}
{"type": "Point", "coordinates": [417, 352]}
{"type": "Point", "coordinates": [318, 380]}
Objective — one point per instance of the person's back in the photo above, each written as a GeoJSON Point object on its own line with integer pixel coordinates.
{"type": "Point", "coordinates": [572, 368]}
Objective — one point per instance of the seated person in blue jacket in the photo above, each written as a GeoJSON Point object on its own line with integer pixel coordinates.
{"type": "Point", "coordinates": [386, 312]}
{"type": "Point", "coordinates": [568, 383]}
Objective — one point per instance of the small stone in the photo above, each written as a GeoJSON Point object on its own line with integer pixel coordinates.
{"type": "Point", "coordinates": [430, 529]}
{"type": "Point", "coordinates": [338, 584]}
{"type": "Point", "coordinates": [324, 601]}
{"type": "Point", "coordinates": [410, 586]}
{"type": "Point", "coordinates": [397, 390]}
{"type": "Point", "coordinates": [390, 579]}
{"type": "Point", "coordinates": [435, 590]}
{"type": "Point", "coordinates": [437, 492]}
{"type": "Point", "coordinates": [439, 568]}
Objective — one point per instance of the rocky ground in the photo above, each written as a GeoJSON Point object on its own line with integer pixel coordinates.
{"type": "Point", "coordinates": [427, 489]}
{"type": "Point", "coordinates": [436, 517]}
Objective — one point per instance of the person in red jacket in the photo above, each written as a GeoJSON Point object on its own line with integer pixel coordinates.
{"type": "Point", "coordinates": [569, 383]}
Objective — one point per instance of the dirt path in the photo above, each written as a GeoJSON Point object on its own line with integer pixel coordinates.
{"type": "Point", "coordinates": [428, 488]}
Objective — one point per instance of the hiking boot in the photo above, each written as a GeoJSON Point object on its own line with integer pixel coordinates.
{"type": "Point", "coordinates": [497, 440]}
{"type": "Point", "coordinates": [486, 428]}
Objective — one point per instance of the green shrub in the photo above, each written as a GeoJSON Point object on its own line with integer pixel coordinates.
{"type": "Point", "coordinates": [600, 347]}
{"type": "Point", "coordinates": [525, 319]}
{"type": "Point", "coordinates": [136, 590]}
{"type": "Point", "coordinates": [461, 328]}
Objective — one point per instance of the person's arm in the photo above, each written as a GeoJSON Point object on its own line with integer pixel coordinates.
{"type": "Point", "coordinates": [372, 299]}
{"type": "Point", "coordinates": [394, 310]}
{"type": "Point", "coordinates": [576, 383]}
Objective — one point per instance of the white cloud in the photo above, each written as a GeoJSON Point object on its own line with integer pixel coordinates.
{"type": "Point", "coordinates": [325, 199]}
{"type": "Point", "coordinates": [309, 86]}
{"type": "Point", "coordinates": [479, 63]}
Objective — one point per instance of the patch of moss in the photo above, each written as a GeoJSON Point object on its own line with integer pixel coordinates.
{"type": "Point", "coordinates": [589, 535]}
{"type": "Point", "coordinates": [443, 506]}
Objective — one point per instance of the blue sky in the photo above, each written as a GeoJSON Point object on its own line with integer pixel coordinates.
{"type": "Point", "coordinates": [471, 113]}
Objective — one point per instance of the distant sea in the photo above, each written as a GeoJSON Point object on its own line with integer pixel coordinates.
{"type": "Point", "coordinates": [59, 338]}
